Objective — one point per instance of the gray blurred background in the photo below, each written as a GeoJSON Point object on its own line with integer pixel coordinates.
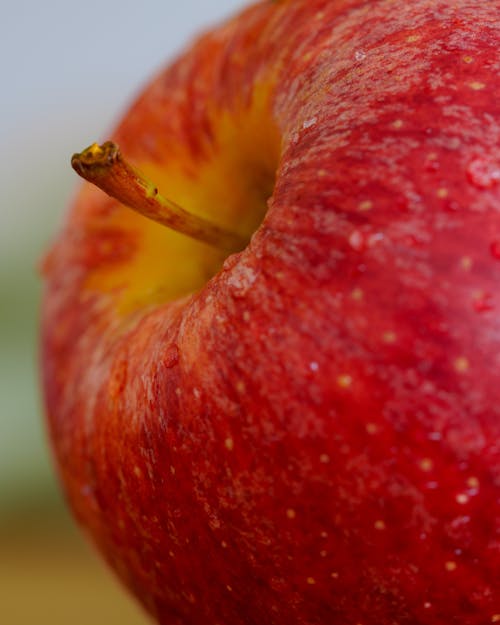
{"type": "Point", "coordinates": [68, 69]}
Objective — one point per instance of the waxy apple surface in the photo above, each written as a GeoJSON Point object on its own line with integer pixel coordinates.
{"type": "Point", "coordinates": [306, 432]}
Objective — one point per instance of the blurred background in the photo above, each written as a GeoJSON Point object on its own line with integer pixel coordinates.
{"type": "Point", "coordinates": [68, 69]}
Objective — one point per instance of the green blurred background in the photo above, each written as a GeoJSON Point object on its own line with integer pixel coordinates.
{"type": "Point", "coordinates": [67, 71]}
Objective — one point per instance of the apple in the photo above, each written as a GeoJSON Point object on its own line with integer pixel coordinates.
{"type": "Point", "coordinates": [292, 415]}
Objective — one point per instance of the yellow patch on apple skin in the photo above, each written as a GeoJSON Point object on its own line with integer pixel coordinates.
{"type": "Point", "coordinates": [466, 263]}
{"type": "Point", "coordinates": [426, 465]}
{"type": "Point", "coordinates": [357, 295]}
{"type": "Point", "coordinates": [344, 381]}
{"type": "Point", "coordinates": [230, 187]}
{"type": "Point", "coordinates": [365, 205]}
{"type": "Point", "coordinates": [461, 364]}
{"type": "Point", "coordinates": [389, 337]}
{"type": "Point", "coordinates": [476, 85]}
{"type": "Point", "coordinates": [473, 483]}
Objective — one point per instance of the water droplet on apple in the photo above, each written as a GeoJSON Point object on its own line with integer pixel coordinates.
{"type": "Point", "coordinates": [483, 173]}
{"type": "Point", "coordinates": [431, 162]}
{"type": "Point", "coordinates": [375, 238]}
{"type": "Point", "coordinates": [357, 240]}
{"type": "Point", "coordinates": [360, 55]}
{"type": "Point", "coordinates": [483, 303]}
{"type": "Point", "coordinates": [435, 436]}
{"type": "Point", "coordinates": [230, 262]}
{"type": "Point", "coordinates": [495, 250]}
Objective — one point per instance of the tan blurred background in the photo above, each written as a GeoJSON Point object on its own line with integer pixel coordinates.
{"type": "Point", "coordinates": [66, 69]}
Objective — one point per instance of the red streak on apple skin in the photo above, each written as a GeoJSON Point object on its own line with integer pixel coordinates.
{"type": "Point", "coordinates": [313, 437]}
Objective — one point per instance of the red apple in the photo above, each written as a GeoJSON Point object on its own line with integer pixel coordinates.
{"type": "Point", "coordinates": [307, 431]}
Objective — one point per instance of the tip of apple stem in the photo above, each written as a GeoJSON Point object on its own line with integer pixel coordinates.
{"type": "Point", "coordinates": [104, 166]}
{"type": "Point", "coordinates": [95, 156]}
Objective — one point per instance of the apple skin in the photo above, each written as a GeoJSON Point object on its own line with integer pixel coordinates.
{"type": "Point", "coordinates": [312, 436]}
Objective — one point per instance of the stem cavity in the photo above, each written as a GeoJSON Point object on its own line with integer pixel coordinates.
{"type": "Point", "coordinates": [104, 166]}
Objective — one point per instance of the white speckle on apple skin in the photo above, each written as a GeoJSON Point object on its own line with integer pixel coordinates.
{"type": "Point", "coordinates": [241, 280]}
{"type": "Point", "coordinates": [309, 123]}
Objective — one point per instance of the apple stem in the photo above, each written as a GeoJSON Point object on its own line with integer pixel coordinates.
{"type": "Point", "coordinates": [104, 166]}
